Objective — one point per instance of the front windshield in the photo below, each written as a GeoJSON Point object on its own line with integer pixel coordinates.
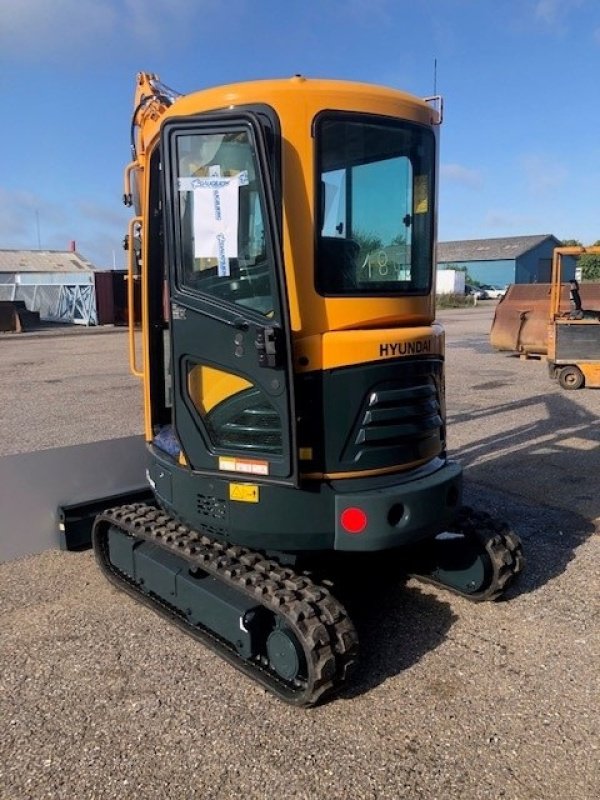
{"type": "Point", "coordinates": [375, 196]}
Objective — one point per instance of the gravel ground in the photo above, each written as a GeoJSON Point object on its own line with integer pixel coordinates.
{"type": "Point", "coordinates": [99, 698]}
{"type": "Point", "coordinates": [66, 387]}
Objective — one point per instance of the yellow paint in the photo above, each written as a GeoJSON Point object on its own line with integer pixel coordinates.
{"type": "Point", "coordinates": [209, 386]}
{"type": "Point", "coordinates": [244, 492]}
{"type": "Point", "coordinates": [591, 373]}
{"type": "Point", "coordinates": [345, 348]}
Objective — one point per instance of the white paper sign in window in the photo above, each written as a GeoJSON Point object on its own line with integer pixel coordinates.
{"type": "Point", "coordinates": [216, 216]}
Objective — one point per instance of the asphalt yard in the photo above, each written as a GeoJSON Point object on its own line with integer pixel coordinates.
{"type": "Point", "coordinates": [100, 698]}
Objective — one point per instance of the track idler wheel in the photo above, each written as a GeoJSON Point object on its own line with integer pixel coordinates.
{"type": "Point", "coordinates": [478, 559]}
{"type": "Point", "coordinates": [285, 654]}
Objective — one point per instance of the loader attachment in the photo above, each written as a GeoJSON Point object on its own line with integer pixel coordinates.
{"type": "Point", "coordinates": [521, 320]}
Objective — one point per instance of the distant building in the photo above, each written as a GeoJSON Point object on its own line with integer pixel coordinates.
{"type": "Point", "coordinates": [59, 284]}
{"type": "Point", "coordinates": [515, 259]}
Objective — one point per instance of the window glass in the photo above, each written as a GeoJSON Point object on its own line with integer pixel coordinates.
{"type": "Point", "coordinates": [237, 414]}
{"type": "Point", "coordinates": [222, 237]}
{"type": "Point", "coordinates": [376, 194]}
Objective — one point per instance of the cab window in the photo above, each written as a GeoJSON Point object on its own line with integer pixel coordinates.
{"type": "Point", "coordinates": [375, 195]}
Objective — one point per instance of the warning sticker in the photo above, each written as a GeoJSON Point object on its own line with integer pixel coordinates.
{"type": "Point", "coordinates": [244, 492]}
{"type": "Point", "coordinates": [248, 465]}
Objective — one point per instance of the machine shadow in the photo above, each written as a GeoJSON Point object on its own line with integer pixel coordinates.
{"type": "Point", "coordinates": [396, 626]}
{"type": "Point", "coordinates": [397, 623]}
{"type": "Point", "coordinates": [553, 458]}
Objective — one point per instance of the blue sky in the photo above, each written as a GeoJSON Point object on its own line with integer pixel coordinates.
{"type": "Point", "coordinates": [520, 143]}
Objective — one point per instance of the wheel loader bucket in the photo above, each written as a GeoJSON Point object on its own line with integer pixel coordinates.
{"type": "Point", "coordinates": [521, 320]}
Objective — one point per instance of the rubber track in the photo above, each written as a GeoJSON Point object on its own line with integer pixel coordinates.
{"type": "Point", "coordinates": [500, 546]}
{"type": "Point", "coordinates": [318, 620]}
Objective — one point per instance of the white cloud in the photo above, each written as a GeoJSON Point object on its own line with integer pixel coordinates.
{"type": "Point", "coordinates": [110, 216]}
{"type": "Point", "coordinates": [38, 26]}
{"type": "Point", "coordinates": [543, 173]}
{"type": "Point", "coordinates": [554, 12]}
{"type": "Point", "coordinates": [456, 173]}
{"type": "Point", "coordinates": [98, 229]}
{"type": "Point", "coordinates": [38, 29]}
{"type": "Point", "coordinates": [369, 10]}
{"type": "Point", "coordinates": [507, 220]}
{"type": "Point", "coordinates": [21, 213]}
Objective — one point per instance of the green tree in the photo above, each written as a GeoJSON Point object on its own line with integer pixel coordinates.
{"type": "Point", "coordinates": [367, 242]}
{"type": "Point", "coordinates": [571, 243]}
{"type": "Point", "coordinates": [589, 265]}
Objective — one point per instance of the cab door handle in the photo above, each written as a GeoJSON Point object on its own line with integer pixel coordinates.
{"type": "Point", "coordinates": [268, 347]}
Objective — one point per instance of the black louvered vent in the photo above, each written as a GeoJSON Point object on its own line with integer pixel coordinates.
{"type": "Point", "coordinates": [247, 422]}
{"type": "Point", "coordinates": [397, 425]}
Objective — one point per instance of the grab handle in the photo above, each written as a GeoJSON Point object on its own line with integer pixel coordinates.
{"type": "Point", "coordinates": [131, 277]}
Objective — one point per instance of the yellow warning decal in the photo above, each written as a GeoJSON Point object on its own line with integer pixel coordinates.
{"type": "Point", "coordinates": [244, 492]}
{"type": "Point", "coordinates": [251, 466]}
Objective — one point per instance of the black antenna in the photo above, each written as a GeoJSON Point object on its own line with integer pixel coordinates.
{"type": "Point", "coordinates": [434, 77]}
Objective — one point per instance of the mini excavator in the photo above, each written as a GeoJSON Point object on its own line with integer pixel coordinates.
{"type": "Point", "coordinates": [292, 369]}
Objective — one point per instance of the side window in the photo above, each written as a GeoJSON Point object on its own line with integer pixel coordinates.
{"type": "Point", "coordinates": [384, 237]}
{"type": "Point", "coordinates": [335, 223]}
{"type": "Point", "coordinates": [222, 237]}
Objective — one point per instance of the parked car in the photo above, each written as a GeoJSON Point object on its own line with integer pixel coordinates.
{"type": "Point", "coordinates": [475, 291]}
{"type": "Point", "coordinates": [494, 292]}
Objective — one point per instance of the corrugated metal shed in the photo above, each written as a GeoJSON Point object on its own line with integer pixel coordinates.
{"type": "Point", "coordinates": [57, 284]}
{"type": "Point", "coordinates": [510, 247]}
{"type": "Point", "coordinates": [513, 259]}
{"type": "Point", "coordinates": [68, 261]}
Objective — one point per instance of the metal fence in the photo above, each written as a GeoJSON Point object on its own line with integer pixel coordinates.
{"type": "Point", "coordinates": [75, 303]}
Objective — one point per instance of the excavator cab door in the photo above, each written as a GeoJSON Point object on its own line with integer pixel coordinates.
{"type": "Point", "coordinates": [233, 404]}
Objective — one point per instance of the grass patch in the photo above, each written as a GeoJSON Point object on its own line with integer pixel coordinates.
{"type": "Point", "coordinates": [453, 301]}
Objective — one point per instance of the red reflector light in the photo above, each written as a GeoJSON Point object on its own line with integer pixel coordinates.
{"type": "Point", "coordinates": [353, 520]}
